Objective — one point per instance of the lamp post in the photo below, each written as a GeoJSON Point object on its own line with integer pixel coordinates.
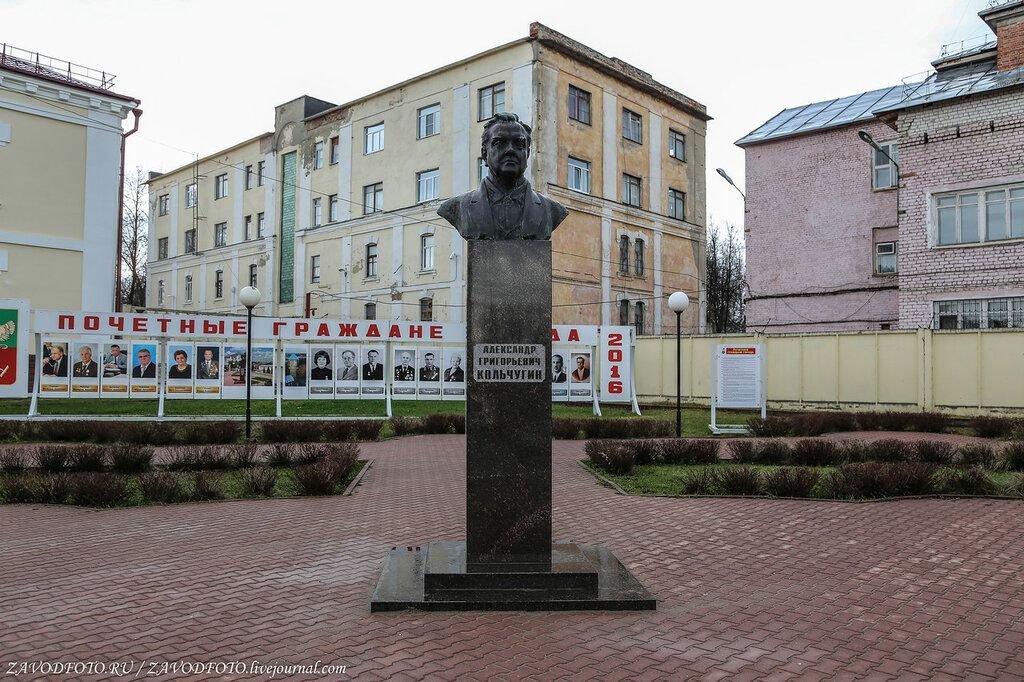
{"type": "Point", "coordinates": [678, 303]}
{"type": "Point", "coordinates": [250, 298]}
{"type": "Point", "coordinates": [721, 171]}
{"type": "Point", "coordinates": [866, 137]}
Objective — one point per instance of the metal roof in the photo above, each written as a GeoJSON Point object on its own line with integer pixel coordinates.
{"type": "Point", "coordinates": [959, 81]}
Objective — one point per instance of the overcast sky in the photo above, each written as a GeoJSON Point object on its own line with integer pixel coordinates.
{"type": "Point", "coordinates": [209, 73]}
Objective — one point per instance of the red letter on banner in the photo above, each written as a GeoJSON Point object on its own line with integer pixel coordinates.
{"type": "Point", "coordinates": [373, 331]}
{"type": "Point", "coordinates": [554, 335]}
{"type": "Point", "coordinates": [65, 322]}
{"type": "Point", "coordinates": [415, 331]}
{"type": "Point", "coordinates": [209, 328]}
{"type": "Point", "coordinates": [323, 330]}
{"type": "Point", "coordinates": [278, 326]}
{"type": "Point", "coordinates": [395, 333]}
{"type": "Point", "coordinates": [238, 328]}
{"type": "Point", "coordinates": [574, 334]}
{"type": "Point", "coordinates": [436, 331]}
{"type": "Point", "coordinates": [116, 323]}
{"type": "Point", "coordinates": [92, 323]}
{"type": "Point", "coordinates": [301, 328]}
{"type": "Point", "coordinates": [164, 323]}
{"type": "Point", "coordinates": [347, 330]}
{"type": "Point", "coordinates": [140, 324]}
{"type": "Point", "coordinates": [188, 326]}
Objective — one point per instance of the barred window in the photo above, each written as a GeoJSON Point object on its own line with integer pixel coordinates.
{"type": "Point", "coordinates": [992, 313]}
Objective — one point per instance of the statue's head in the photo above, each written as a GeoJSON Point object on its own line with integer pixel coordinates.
{"type": "Point", "coordinates": [505, 145]}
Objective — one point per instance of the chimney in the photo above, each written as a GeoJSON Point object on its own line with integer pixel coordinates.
{"type": "Point", "coordinates": [1006, 19]}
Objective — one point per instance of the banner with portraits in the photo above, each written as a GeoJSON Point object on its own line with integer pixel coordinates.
{"type": "Point", "coordinates": [207, 370]}
{"type": "Point", "coordinates": [346, 373]}
{"type": "Point", "coordinates": [143, 377]}
{"type": "Point", "coordinates": [296, 367]}
{"type": "Point", "coordinates": [453, 378]}
{"type": "Point", "coordinates": [180, 370]}
{"type": "Point", "coordinates": [371, 373]}
{"type": "Point", "coordinates": [85, 369]}
{"type": "Point", "coordinates": [54, 369]}
{"type": "Point", "coordinates": [403, 385]}
{"type": "Point", "coordinates": [428, 374]}
{"type": "Point", "coordinates": [261, 369]}
{"type": "Point", "coordinates": [321, 375]}
{"type": "Point", "coordinates": [114, 370]}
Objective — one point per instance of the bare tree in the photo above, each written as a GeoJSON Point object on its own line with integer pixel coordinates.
{"type": "Point", "coordinates": [726, 280]}
{"type": "Point", "coordinates": [135, 239]}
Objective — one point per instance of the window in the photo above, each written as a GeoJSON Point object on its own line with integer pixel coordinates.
{"type": "Point", "coordinates": [984, 215]}
{"type": "Point", "coordinates": [161, 248]}
{"type": "Point", "coordinates": [492, 101]}
{"type": "Point", "coordinates": [676, 204]}
{"type": "Point", "coordinates": [579, 105]}
{"type": "Point", "coordinates": [248, 177]}
{"type": "Point", "coordinates": [218, 284]}
{"type": "Point", "coordinates": [314, 269]}
{"type": "Point", "coordinates": [373, 138]}
{"type": "Point", "coordinates": [318, 213]}
{"type": "Point", "coordinates": [191, 195]}
{"type": "Point", "coordinates": [638, 318]}
{"type": "Point", "coordinates": [428, 121]}
{"type": "Point", "coordinates": [624, 254]}
{"type": "Point", "coordinates": [638, 260]}
{"type": "Point", "coordinates": [373, 198]}
{"type": "Point", "coordinates": [623, 312]}
{"type": "Point", "coordinates": [318, 155]}
{"type": "Point", "coordinates": [370, 311]}
{"type": "Point", "coordinates": [332, 208]}
{"type": "Point", "coordinates": [482, 170]}
{"type": "Point", "coordinates": [426, 310]}
{"type": "Point", "coordinates": [248, 227]}
{"type": "Point", "coordinates": [259, 173]}
{"type": "Point", "coordinates": [188, 288]}
{"type": "Point", "coordinates": [885, 258]}
{"type": "Point", "coordinates": [632, 126]}
{"type": "Point", "coordinates": [220, 234]}
{"type": "Point", "coordinates": [190, 241]}
{"type": "Point", "coordinates": [371, 260]}
{"type": "Point", "coordinates": [579, 175]}
{"type": "Point", "coordinates": [261, 225]}
{"type": "Point", "coordinates": [993, 313]}
{"type": "Point", "coordinates": [160, 292]}
{"type": "Point", "coordinates": [165, 203]}
{"type": "Point", "coordinates": [883, 172]}
{"type": "Point", "coordinates": [335, 150]}
{"type": "Point", "coordinates": [427, 252]}
{"type": "Point", "coordinates": [630, 190]}
{"type": "Point", "coordinates": [220, 186]}
{"type": "Point", "coordinates": [427, 185]}
{"type": "Point", "coordinates": [253, 275]}
{"type": "Point", "coordinates": [676, 145]}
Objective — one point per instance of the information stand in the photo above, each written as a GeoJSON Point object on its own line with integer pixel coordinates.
{"type": "Point", "coordinates": [737, 382]}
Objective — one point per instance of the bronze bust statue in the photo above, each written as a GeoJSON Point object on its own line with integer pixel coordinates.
{"type": "Point", "coordinates": [504, 207]}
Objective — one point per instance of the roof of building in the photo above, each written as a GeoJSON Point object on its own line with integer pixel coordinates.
{"type": "Point", "coordinates": [960, 81]}
{"type": "Point", "coordinates": [59, 71]}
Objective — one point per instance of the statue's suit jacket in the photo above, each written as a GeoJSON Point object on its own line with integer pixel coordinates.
{"type": "Point", "coordinates": [470, 214]}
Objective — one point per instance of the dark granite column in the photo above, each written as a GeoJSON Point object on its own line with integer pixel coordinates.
{"type": "Point", "coordinates": [508, 406]}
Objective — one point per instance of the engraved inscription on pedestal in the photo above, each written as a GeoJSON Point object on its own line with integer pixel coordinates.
{"type": "Point", "coordinates": [509, 363]}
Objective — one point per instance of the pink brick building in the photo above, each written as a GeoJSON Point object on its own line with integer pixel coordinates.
{"type": "Point", "coordinates": [928, 231]}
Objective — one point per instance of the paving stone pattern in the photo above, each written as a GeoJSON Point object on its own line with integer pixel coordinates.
{"type": "Point", "coordinates": [747, 589]}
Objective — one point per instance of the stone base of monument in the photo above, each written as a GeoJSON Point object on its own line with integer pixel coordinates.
{"type": "Point", "coordinates": [579, 578]}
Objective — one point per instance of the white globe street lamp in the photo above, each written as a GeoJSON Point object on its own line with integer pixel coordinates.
{"type": "Point", "coordinates": [250, 298]}
{"type": "Point", "coordinates": [678, 302]}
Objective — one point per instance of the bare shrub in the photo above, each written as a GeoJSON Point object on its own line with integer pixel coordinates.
{"type": "Point", "coordinates": [934, 451]}
{"type": "Point", "coordinates": [791, 481]}
{"type": "Point", "coordinates": [890, 450]}
{"type": "Point", "coordinates": [975, 455]}
{"type": "Point", "coordinates": [967, 481]}
{"type": "Point", "coordinates": [702, 481]}
{"type": "Point", "coordinates": [85, 457]}
{"type": "Point", "coordinates": [770, 427]}
{"type": "Point", "coordinates": [161, 486]}
{"type": "Point", "coordinates": [207, 485]}
{"type": "Point", "coordinates": [817, 452]}
{"type": "Point", "coordinates": [129, 458]}
{"type": "Point", "coordinates": [1012, 456]}
{"type": "Point", "coordinates": [282, 455]}
{"type": "Point", "coordinates": [52, 458]}
{"type": "Point", "coordinates": [12, 460]}
{"type": "Point", "coordinates": [740, 480]}
{"type": "Point", "coordinates": [242, 455]}
{"type": "Point", "coordinates": [257, 481]}
{"type": "Point", "coordinates": [688, 451]}
{"type": "Point", "coordinates": [99, 490]}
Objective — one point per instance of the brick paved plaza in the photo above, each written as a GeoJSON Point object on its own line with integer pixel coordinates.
{"type": "Point", "coordinates": [747, 589]}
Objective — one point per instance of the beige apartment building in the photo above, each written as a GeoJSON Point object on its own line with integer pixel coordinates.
{"type": "Point", "coordinates": [334, 212]}
{"type": "Point", "coordinates": [60, 164]}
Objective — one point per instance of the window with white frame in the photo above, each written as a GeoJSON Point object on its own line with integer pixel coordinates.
{"type": "Point", "coordinates": [160, 292]}
{"type": "Point", "coordinates": [220, 234]}
{"type": "Point", "coordinates": [638, 258]}
{"type": "Point", "coordinates": [491, 101]}
{"type": "Point", "coordinates": [161, 248]}
{"type": "Point", "coordinates": [370, 311]}
{"type": "Point", "coordinates": [164, 204]}
{"type": "Point", "coordinates": [428, 121]}
{"type": "Point", "coordinates": [218, 284]}
{"type": "Point", "coordinates": [632, 126]}
{"type": "Point", "coordinates": [630, 190]}
{"type": "Point", "coordinates": [220, 186]}
{"type": "Point", "coordinates": [883, 171]}
{"type": "Point", "coordinates": [677, 145]}
{"type": "Point", "coordinates": [260, 166]}
{"type": "Point", "coordinates": [190, 241]}
{"type": "Point", "coordinates": [314, 269]}
{"type": "Point", "coordinates": [334, 154]}
{"type": "Point", "coordinates": [188, 288]}
{"type": "Point", "coordinates": [333, 206]}
{"type": "Point", "coordinates": [373, 138]}
{"type": "Point", "coordinates": [373, 198]}
{"type": "Point", "coordinates": [991, 313]}
{"type": "Point", "coordinates": [318, 155]}
{"type": "Point", "coordinates": [261, 224]}
{"type": "Point", "coordinates": [253, 275]}
{"type": "Point", "coordinates": [371, 260]}
{"type": "Point", "coordinates": [482, 170]}
{"type": "Point", "coordinates": [624, 255]}
{"type": "Point", "coordinates": [427, 252]}
{"type": "Point", "coordinates": [248, 177]}
{"type": "Point", "coordinates": [579, 175]}
{"type": "Point", "coordinates": [427, 185]}
{"type": "Point", "coordinates": [676, 204]}
{"type": "Point", "coordinates": [885, 258]}
{"type": "Point", "coordinates": [426, 309]}
{"type": "Point", "coordinates": [318, 213]}
{"type": "Point", "coordinates": [982, 215]}
{"type": "Point", "coordinates": [579, 104]}
{"type": "Point", "coordinates": [191, 195]}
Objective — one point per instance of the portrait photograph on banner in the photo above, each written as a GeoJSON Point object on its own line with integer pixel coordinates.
{"type": "Point", "coordinates": [559, 374]}
{"type": "Point", "coordinates": [207, 370]}
{"type": "Point", "coordinates": [371, 372]}
{"type": "Point", "coordinates": [180, 370]}
{"type": "Point", "coordinates": [114, 370]}
{"type": "Point", "coordinates": [85, 370]}
{"type": "Point", "coordinates": [296, 360]}
{"type": "Point", "coordinates": [453, 377]}
{"type": "Point", "coordinates": [232, 371]}
{"type": "Point", "coordinates": [428, 374]}
{"type": "Point", "coordinates": [55, 369]}
{"type": "Point", "coordinates": [261, 372]}
{"type": "Point", "coordinates": [321, 372]}
{"type": "Point", "coordinates": [143, 381]}
{"type": "Point", "coordinates": [581, 383]}
{"type": "Point", "coordinates": [346, 372]}
{"type": "Point", "coordinates": [403, 385]}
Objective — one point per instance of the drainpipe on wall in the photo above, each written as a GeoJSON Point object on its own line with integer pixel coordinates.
{"type": "Point", "coordinates": [120, 212]}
